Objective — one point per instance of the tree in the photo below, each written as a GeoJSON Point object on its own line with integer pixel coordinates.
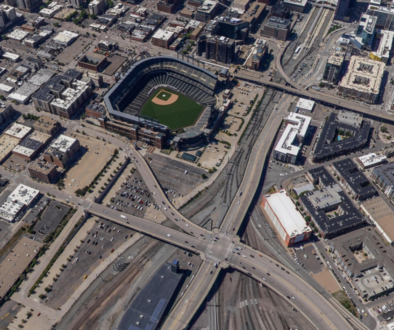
{"type": "Point", "coordinates": [110, 4]}
{"type": "Point", "coordinates": [204, 176]}
{"type": "Point", "coordinates": [56, 24]}
{"type": "Point", "coordinates": [93, 16]}
{"type": "Point", "coordinates": [383, 129]}
{"type": "Point", "coordinates": [28, 314]}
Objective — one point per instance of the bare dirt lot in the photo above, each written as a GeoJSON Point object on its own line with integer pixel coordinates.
{"type": "Point", "coordinates": [95, 154]}
{"type": "Point", "coordinates": [327, 281]}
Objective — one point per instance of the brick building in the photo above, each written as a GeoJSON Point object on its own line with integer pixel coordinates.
{"type": "Point", "coordinates": [62, 151]}
{"type": "Point", "coordinates": [44, 171]}
{"type": "Point", "coordinates": [47, 125]}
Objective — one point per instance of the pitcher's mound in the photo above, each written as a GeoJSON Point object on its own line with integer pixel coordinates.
{"type": "Point", "coordinates": [164, 97]}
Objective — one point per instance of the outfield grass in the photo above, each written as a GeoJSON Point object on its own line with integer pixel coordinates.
{"type": "Point", "coordinates": [184, 112]}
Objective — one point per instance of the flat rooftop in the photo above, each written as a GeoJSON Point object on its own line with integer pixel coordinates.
{"type": "Point", "coordinates": [336, 58]}
{"type": "Point", "coordinates": [7, 143]}
{"type": "Point", "coordinates": [163, 34]}
{"type": "Point", "coordinates": [300, 3]}
{"type": "Point", "coordinates": [371, 159]}
{"type": "Point", "coordinates": [15, 263]}
{"type": "Point", "coordinates": [364, 75]}
{"type": "Point", "coordinates": [286, 212]}
{"type": "Point", "coordinates": [381, 214]}
{"type": "Point", "coordinates": [147, 309]}
{"type": "Point", "coordinates": [63, 143]}
{"type": "Point", "coordinates": [305, 104]}
{"type": "Point", "coordinates": [350, 118]}
{"type": "Point", "coordinates": [296, 129]}
{"type": "Point", "coordinates": [18, 131]}
{"type": "Point", "coordinates": [354, 177]}
{"type": "Point", "coordinates": [374, 282]}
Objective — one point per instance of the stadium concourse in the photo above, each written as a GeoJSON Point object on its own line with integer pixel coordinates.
{"type": "Point", "coordinates": [188, 104]}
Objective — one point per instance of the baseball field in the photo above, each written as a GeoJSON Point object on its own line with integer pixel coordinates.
{"type": "Point", "coordinates": [171, 109]}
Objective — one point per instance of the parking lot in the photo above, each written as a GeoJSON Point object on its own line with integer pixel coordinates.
{"type": "Point", "coordinates": [307, 257]}
{"type": "Point", "coordinates": [133, 196]}
{"type": "Point", "coordinates": [175, 177]}
{"type": "Point", "coordinates": [50, 219]}
{"type": "Point", "coordinates": [99, 243]}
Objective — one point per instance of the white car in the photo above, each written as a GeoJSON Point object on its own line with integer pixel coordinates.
{"type": "Point", "coordinates": [168, 235]}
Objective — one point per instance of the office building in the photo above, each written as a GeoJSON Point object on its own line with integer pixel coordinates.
{"type": "Point", "coordinates": [334, 68]}
{"type": "Point", "coordinates": [207, 11]}
{"type": "Point", "coordinates": [278, 28]}
{"type": "Point", "coordinates": [290, 143]}
{"type": "Point", "coordinates": [44, 171]}
{"type": "Point", "coordinates": [331, 210]}
{"type": "Point", "coordinates": [240, 4]}
{"type": "Point", "coordinates": [254, 14]}
{"type": "Point", "coordinates": [66, 38]}
{"type": "Point", "coordinates": [163, 38]}
{"type": "Point", "coordinates": [366, 30]}
{"type": "Point", "coordinates": [288, 222]}
{"type": "Point", "coordinates": [220, 49]}
{"type": "Point", "coordinates": [353, 179]}
{"type": "Point", "coordinates": [233, 28]}
{"type": "Point", "coordinates": [24, 5]}
{"type": "Point", "coordinates": [341, 134]}
{"type": "Point", "coordinates": [279, 10]}
{"type": "Point", "coordinates": [63, 94]}
{"type": "Point", "coordinates": [96, 7]}
{"type": "Point", "coordinates": [382, 54]}
{"type": "Point", "coordinates": [28, 148]}
{"type": "Point", "coordinates": [75, 3]}
{"type": "Point", "coordinates": [62, 151]}
{"type": "Point", "coordinates": [47, 125]}
{"type": "Point", "coordinates": [18, 131]}
{"type": "Point", "coordinates": [295, 5]}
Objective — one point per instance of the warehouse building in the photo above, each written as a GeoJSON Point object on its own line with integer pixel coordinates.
{"type": "Point", "coordinates": [362, 81]}
{"type": "Point", "coordinates": [276, 27]}
{"type": "Point", "coordinates": [23, 93]}
{"type": "Point", "coordinates": [290, 143]}
{"type": "Point", "coordinates": [62, 151]}
{"type": "Point", "coordinates": [289, 223]}
{"type": "Point", "coordinates": [47, 125]}
{"type": "Point", "coordinates": [28, 148]}
{"type": "Point", "coordinates": [17, 202]}
{"type": "Point", "coordinates": [331, 144]}
{"type": "Point", "coordinates": [331, 210]}
{"type": "Point", "coordinates": [353, 179]}
{"type": "Point", "coordinates": [18, 131]}
{"type": "Point", "coordinates": [163, 38]}
{"type": "Point", "coordinates": [15, 263]}
{"type": "Point", "coordinates": [43, 171]}
{"type": "Point", "coordinates": [154, 300]}
{"type": "Point", "coordinates": [296, 5]}
{"type": "Point", "coordinates": [381, 215]}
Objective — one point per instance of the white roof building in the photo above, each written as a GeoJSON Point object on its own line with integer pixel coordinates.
{"type": "Point", "coordinates": [20, 197]}
{"type": "Point", "coordinates": [385, 46]}
{"type": "Point", "coordinates": [18, 131]}
{"type": "Point", "coordinates": [63, 143]}
{"type": "Point", "coordinates": [288, 222]}
{"type": "Point", "coordinates": [70, 95]}
{"type": "Point", "coordinates": [305, 105]}
{"type": "Point", "coordinates": [290, 142]}
{"type": "Point", "coordinates": [11, 56]}
{"type": "Point", "coordinates": [66, 38]}
{"type": "Point", "coordinates": [23, 93]}
{"type": "Point", "coordinates": [6, 88]}
{"type": "Point", "coordinates": [163, 34]}
{"type": "Point", "coordinates": [370, 160]}
{"type": "Point", "coordinates": [51, 10]}
{"type": "Point", "coordinates": [18, 34]}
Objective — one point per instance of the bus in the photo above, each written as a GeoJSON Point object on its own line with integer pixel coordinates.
{"type": "Point", "coordinates": [298, 49]}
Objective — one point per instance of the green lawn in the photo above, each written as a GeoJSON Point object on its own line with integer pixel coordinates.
{"type": "Point", "coordinates": [184, 112]}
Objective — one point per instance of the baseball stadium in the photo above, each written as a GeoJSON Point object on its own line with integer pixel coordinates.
{"type": "Point", "coordinates": [167, 95]}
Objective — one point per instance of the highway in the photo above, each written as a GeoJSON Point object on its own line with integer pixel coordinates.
{"type": "Point", "coordinates": [281, 280]}
{"type": "Point", "coordinates": [319, 97]}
